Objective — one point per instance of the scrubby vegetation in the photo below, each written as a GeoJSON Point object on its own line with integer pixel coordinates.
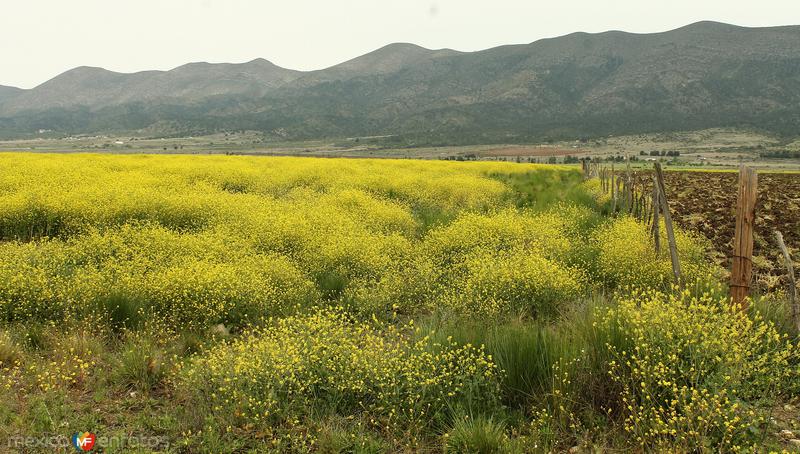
{"type": "Point", "coordinates": [232, 304]}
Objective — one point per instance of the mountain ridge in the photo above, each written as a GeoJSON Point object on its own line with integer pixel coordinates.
{"type": "Point", "coordinates": [704, 74]}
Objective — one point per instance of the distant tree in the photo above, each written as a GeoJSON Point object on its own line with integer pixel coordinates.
{"type": "Point", "coordinates": [780, 154]}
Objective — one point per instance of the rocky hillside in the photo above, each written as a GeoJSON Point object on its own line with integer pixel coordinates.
{"type": "Point", "coordinates": [702, 75]}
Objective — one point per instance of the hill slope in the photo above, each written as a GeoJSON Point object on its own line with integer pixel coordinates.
{"type": "Point", "coordinates": [702, 75]}
{"type": "Point", "coordinates": [8, 92]}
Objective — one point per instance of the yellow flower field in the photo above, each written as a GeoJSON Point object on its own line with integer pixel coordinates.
{"type": "Point", "coordinates": [345, 305]}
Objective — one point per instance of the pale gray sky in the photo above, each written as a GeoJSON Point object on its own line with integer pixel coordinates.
{"type": "Point", "coordinates": [42, 38]}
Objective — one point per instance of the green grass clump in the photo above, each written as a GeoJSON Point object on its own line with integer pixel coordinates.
{"type": "Point", "coordinates": [544, 187]}
{"type": "Point", "coordinates": [142, 364]}
{"type": "Point", "coordinates": [525, 352]}
{"type": "Point", "coordinates": [479, 435]}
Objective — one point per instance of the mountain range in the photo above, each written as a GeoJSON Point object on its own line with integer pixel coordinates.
{"type": "Point", "coordinates": [703, 75]}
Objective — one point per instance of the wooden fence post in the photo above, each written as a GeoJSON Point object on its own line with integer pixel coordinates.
{"type": "Point", "coordinates": [673, 247]}
{"type": "Point", "coordinates": [642, 205]}
{"type": "Point", "coordinates": [613, 190]}
{"type": "Point", "coordinates": [628, 183]}
{"type": "Point", "coordinates": [742, 270]}
{"type": "Point", "coordinates": [792, 283]}
{"type": "Point", "coordinates": [656, 222]}
{"type": "Point", "coordinates": [624, 198]}
{"type": "Point", "coordinates": [603, 175]}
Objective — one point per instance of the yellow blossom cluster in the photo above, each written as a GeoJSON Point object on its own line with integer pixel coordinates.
{"type": "Point", "coordinates": [221, 239]}
{"type": "Point", "coordinates": [142, 271]}
{"type": "Point", "coordinates": [69, 362]}
{"type": "Point", "coordinates": [279, 295]}
{"type": "Point", "coordinates": [626, 256]}
{"type": "Point", "coordinates": [324, 359]}
{"type": "Point", "coordinates": [687, 364]}
{"type": "Point", "coordinates": [510, 261]}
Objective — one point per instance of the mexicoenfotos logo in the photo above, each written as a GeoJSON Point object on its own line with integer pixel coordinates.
{"type": "Point", "coordinates": [83, 441]}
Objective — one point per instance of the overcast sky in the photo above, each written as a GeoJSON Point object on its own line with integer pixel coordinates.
{"type": "Point", "coordinates": [42, 38]}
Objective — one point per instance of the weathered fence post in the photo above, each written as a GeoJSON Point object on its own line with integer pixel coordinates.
{"type": "Point", "coordinates": [742, 269]}
{"type": "Point", "coordinates": [792, 283]}
{"type": "Point", "coordinates": [673, 247]}
{"type": "Point", "coordinates": [603, 175]}
{"type": "Point", "coordinates": [656, 222]}
{"type": "Point", "coordinates": [628, 184]}
{"type": "Point", "coordinates": [642, 204]}
{"type": "Point", "coordinates": [624, 198]}
{"type": "Point", "coordinates": [613, 190]}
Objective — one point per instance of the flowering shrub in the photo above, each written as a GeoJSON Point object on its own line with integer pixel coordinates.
{"type": "Point", "coordinates": [690, 366]}
{"type": "Point", "coordinates": [187, 280]}
{"type": "Point", "coordinates": [595, 189]}
{"type": "Point", "coordinates": [508, 262]}
{"type": "Point", "coordinates": [199, 241]}
{"type": "Point", "coordinates": [519, 282]}
{"type": "Point", "coordinates": [45, 195]}
{"type": "Point", "coordinates": [325, 360]}
{"type": "Point", "coordinates": [626, 256]}
{"type": "Point", "coordinates": [211, 280]}
{"type": "Point", "coordinates": [504, 231]}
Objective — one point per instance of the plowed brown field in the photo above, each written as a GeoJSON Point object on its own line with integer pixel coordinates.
{"type": "Point", "coordinates": [705, 202]}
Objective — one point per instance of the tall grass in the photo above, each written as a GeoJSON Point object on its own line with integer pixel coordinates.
{"type": "Point", "coordinates": [545, 187]}
{"type": "Point", "coordinates": [525, 352]}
